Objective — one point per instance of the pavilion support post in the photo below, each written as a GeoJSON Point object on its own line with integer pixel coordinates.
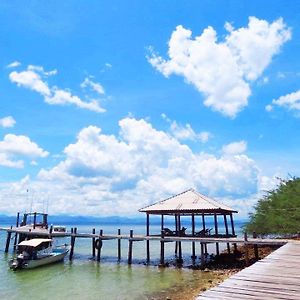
{"type": "Point", "coordinates": [16, 235]}
{"type": "Point", "coordinates": [203, 227]}
{"type": "Point", "coordinates": [193, 234]}
{"type": "Point", "coordinates": [162, 249]}
{"type": "Point", "coordinates": [179, 260]}
{"type": "Point", "coordinates": [216, 233]}
{"type": "Point", "coordinates": [93, 243]}
{"type": "Point", "coordinates": [176, 229]}
{"type": "Point", "coordinates": [119, 245]}
{"type": "Point", "coordinates": [130, 248]}
{"type": "Point", "coordinates": [148, 242]}
{"type": "Point", "coordinates": [8, 240]}
{"type": "Point", "coordinates": [233, 231]}
{"type": "Point", "coordinates": [227, 232]}
{"type": "Point", "coordinates": [202, 254]}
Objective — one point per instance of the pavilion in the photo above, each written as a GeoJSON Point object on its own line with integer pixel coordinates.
{"type": "Point", "coordinates": [191, 203]}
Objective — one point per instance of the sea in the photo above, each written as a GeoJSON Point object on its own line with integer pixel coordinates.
{"type": "Point", "coordinates": [85, 278]}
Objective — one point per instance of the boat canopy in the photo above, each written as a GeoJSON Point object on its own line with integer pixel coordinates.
{"type": "Point", "coordinates": [34, 242]}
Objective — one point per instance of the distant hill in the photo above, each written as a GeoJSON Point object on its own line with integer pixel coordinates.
{"type": "Point", "coordinates": [110, 220]}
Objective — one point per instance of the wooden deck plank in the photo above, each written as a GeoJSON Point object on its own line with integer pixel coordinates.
{"type": "Point", "coordinates": [275, 277]}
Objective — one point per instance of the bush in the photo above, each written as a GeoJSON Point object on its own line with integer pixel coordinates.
{"type": "Point", "coordinates": [278, 212]}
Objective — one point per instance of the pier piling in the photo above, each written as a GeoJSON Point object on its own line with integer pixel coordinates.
{"type": "Point", "coordinates": [130, 248]}
{"type": "Point", "coordinates": [99, 247]}
{"type": "Point", "coordinates": [73, 234]}
{"type": "Point", "coordinates": [162, 250]}
{"type": "Point", "coordinates": [119, 245]}
{"type": "Point", "coordinates": [93, 243]}
{"type": "Point", "coordinates": [8, 240]}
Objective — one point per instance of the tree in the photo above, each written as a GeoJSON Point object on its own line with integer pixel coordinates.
{"type": "Point", "coordinates": [278, 212]}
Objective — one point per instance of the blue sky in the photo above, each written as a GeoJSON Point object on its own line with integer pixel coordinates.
{"type": "Point", "coordinates": [107, 106]}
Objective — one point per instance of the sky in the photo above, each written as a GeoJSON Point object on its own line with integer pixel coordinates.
{"type": "Point", "coordinates": [109, 106]}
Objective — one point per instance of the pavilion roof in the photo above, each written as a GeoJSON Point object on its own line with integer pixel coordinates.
{"type": "Point", "coordinates": [188, 202]}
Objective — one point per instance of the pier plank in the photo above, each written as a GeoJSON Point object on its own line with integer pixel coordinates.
{"type": "Point", "coordinates": [275, 277]}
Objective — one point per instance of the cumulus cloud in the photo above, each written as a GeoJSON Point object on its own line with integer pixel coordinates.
{"type": "Point", "coordinates": [95, 86]}
{"type": "Point", "coordinates": [186, 132]}
{"type": "Point", "coordinates": [235, 148]}
{"type": "Point", "coordinates": [290, 101]}
{"type": "Point", "coordinates": [14, 64]}
{"type": "Point", "coordinates": [118, 174]}
{"type": "Point", "coordinates": [7, 122]}
{"type": "Point", "coordinates": [14, 146]}
{"type": "Point", "coordinates": [223, 70]}
{"type": "Point", "coordinates": [34, 77]}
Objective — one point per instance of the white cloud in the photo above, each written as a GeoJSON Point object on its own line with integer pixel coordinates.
{"type": "Point", "coordinates": [14, 64]}
{"type": "Point", "coordinates": [235, 148]}
{"type": "Point", "coordinates": [186, 132]}
{"type": "Point", "coordinates": [108, 174]}
{"type": "Point", "coordinates": [63, 97]}
{"type": "Point", "coordinates": [95, 86]}
{"type": "Point", "coordinates": [7, 122]}
{"type": "Point", "coordinates": [222, 71]}
{"type": "Point", "coordinates": [33, 79]}
{"type": "Point", "coordinates": [290, 101]}
{"type": "Point", "coordinates": [13, 146]}
{"type": "Point", "coordinates": [269, 107]}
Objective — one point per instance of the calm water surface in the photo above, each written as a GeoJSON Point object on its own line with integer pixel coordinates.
{"type": "Point", "coordinates": [83, 278]}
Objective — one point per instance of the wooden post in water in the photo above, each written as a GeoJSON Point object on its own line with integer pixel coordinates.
{"type": "Point", "coordinates": [176, 229]}
{"type": "Point", "coordinates": [34, 220]}
{"type": "Point", "coordinates": [148, 242]}
{"type": "Point", "coordinates": [203, 227]}
{"type": "Point", "coordinates": [130, 248]}
{"type": "Point", "coordinates": [179, 260]}
{"type": "Point", "coordinates": [193, 234]}
{"type": "Point", "coordinates": [8, 240]}
{"type": "Point", "coordinates": [16, 235]}
{"type": "Point", "coordinates": [233, 232]}
{"type": "Point", "coordinates": [99, 245]}
{"type": "Point", "coordinates": [255, 247]}
{"type": "Point", "coordinates": [72, 243]}
{"type": "Point", "coordinates": [93, 243]}
{"type": "Point", "coordinates": [216, 233]}
{"type": "Point", "coordinates": [227, 233]}
{"type": "Point", "coordinates": [162, 249]}
{"type": "Point", "coordinates": [119, 245]}
{"type": "Point", "coordinates": [246, 250]}
{"type": "Point", "coordinates": [202, 254]}
{"type": "Point", "coordinates": [50, 231]}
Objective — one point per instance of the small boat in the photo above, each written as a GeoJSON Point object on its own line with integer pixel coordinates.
{"type": "Point", "coordinates": [37, 252]}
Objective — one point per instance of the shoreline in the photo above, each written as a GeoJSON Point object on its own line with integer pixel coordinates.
{"type": "Point", "coordinates": [214, 273]}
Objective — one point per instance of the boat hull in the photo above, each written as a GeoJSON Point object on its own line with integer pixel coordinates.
{"type": "Point", "coordinates": [55, 256]}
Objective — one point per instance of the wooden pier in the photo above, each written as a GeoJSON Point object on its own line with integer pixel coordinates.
{"type": "Point", "coordinates": [277, 276]}
{"type": "Point", "coordinates": [98, 238]}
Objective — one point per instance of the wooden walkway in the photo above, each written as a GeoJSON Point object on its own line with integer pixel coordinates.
{"type": "Point", "coordinates": [139, 237]}
{"type": "Point", "coordinates": [277, 276]}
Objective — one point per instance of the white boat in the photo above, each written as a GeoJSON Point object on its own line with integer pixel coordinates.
{"type": "Point", "coordinates": [37, 252]}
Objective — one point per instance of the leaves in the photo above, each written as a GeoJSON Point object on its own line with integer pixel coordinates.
{"type": "Point", "coordinates": [278, 212]}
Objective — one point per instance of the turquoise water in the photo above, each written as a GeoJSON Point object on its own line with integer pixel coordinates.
{"type": "Point", "coordinates": [84, 278]}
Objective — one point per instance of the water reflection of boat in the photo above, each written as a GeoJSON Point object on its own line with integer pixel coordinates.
{"type": "Point", "coordinates": [37, 252]}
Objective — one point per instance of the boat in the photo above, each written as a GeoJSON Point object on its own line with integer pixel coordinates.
{"type": "Point", "coordinates": [37, 252]}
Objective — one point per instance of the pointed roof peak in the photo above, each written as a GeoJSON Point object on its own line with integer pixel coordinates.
{"type": "Point", "coordinates": [187, 202]}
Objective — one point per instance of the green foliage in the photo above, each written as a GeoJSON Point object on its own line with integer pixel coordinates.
{"type": "Point", "coordinates": [278, 212]}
